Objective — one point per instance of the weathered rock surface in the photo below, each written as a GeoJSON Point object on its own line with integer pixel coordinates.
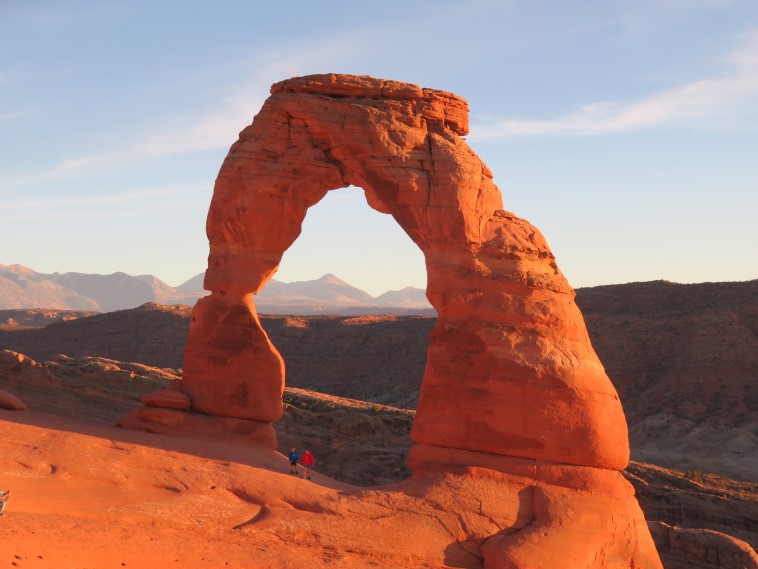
{"type": "Point", "coordinates": [693, 500]}
{"type": "Point", "coordinates": [235, 371]}
{"type": "Point", "coordinates": [90, 387]}
{"type": "Point", "coordinates": [167, 399]}
{"type": "Point", "coordinates": [38, 317]}
{"type": "Point", "coordinates": [11, 402]}
{"type": "Point", "coordinates": [701, 548]}
{"type": "Point", "coordinates": [507, 321]}
{"type": "Point", "coordinates": [200, 426]}
{"type": "Point", "coordinates": [382, 360]}
{"type": "Point", "coordinates": [154, 333]}
{"type": "Point", "coordinates": [511, 382]}
{"type": "Point", "coordinates": [685, 361]}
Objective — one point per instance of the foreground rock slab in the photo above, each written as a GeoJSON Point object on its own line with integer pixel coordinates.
{"type": "Point", "coordinates": [199, 503]}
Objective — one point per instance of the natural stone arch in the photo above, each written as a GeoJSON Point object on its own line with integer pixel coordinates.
{"type": "Point", "coordinates": [515, 408]}
{"type": "Point", "coordinates": [510, 371]}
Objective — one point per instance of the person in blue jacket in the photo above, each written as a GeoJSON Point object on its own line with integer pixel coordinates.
{"type": "Point", "coordinates": [294, 457]}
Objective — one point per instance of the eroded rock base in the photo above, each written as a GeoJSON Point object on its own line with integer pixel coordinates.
{"type": "Point", "coordinates": [196, 425]}
{"type": "Point", "coordinates": [569, 516]}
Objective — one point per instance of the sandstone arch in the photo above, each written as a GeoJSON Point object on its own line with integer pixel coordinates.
{"type": "Point", "coordinates": [511, 370]}
{"type": "Point", "coordinates": [518, 429]}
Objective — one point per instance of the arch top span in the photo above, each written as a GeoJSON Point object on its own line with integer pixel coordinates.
{"type": "Point", "coordinates": [432, 104]}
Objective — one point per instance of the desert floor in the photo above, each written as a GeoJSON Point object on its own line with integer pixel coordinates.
{"type": "Point", "coordinates": [89, 495]}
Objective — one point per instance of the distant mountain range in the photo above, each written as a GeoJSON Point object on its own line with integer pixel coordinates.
{"type": "Point", "coordinates": [22, 287]}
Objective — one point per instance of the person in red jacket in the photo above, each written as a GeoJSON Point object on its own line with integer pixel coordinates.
{"type": "Point", "coordinates": [307, 462]}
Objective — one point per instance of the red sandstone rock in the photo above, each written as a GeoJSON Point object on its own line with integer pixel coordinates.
{"type": "Point", "coordinates": [511, 373]}
{"type": "Point", "coordinates": [511, 370]}
{"type": "Point", "coordinates": [195, 425]}
{"type": "Point", "coordinates": [231, 368]}
{"type": "Point", "coordinates": [701, 548]}
{"type": "Point", "coordinates": [11, 358]}
{"type": "Point", "coordinates": [11, 402]}
{"type": "Point", "coordinates": [578, 517]}
{"type": "Point", "coordinates": [166, 398]}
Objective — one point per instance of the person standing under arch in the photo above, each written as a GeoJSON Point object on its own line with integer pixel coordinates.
{"type": "Point", "coordinates": [307, 461]}
{"type": "Point", "coordinates": [294, 457]}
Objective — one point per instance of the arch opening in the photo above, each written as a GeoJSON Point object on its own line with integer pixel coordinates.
{"type": "Point", "coordinates": [342, 235]}
{"type": "Point", "coordinates": [338, 341]}
{"type": "Point", "coordinates": [341, 312]}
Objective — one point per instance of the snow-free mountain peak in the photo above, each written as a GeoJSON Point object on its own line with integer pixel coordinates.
{"type": "Point", "coordinates": [21, 287]}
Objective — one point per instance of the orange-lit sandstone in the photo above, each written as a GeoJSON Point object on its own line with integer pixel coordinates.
{"type": "Point", "coordinates": [513, 393]}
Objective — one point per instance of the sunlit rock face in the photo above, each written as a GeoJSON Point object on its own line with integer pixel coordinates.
{"type": "Point", "coordinates": [511, 370]}
{"type": "Point", "coordinates": [511, 374]}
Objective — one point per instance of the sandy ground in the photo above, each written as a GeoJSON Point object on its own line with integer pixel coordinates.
{"type": "Point", "coordinates": [88, 495]}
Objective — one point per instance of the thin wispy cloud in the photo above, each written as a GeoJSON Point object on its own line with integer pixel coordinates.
{"type": "Point", "coordinates": [13, 115]}
{"type": "Point", "coordinates": [218, 127]}
{"type": "Point", "coordinates": [698, 102]}
{"type": "Point", "coordinates": [92, 202]}
{"type": "Point", "coordinates": [215, 130]}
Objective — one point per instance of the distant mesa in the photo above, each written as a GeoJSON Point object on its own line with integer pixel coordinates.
{"type": "Point", "coordinates": [512, 384]}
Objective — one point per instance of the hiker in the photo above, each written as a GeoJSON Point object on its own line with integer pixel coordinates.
{"type": "Point", "coordinates": [4, 495]}
{"type": "Point", "coordinates": [306, 462]}
{"type": "Point", "coordinates": [294, 457]}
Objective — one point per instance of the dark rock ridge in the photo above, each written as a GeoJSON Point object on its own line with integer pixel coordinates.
{"type": "Point", "coordinates": [38, 317]}
{"type": "Point", "coordinates": [683, 358]}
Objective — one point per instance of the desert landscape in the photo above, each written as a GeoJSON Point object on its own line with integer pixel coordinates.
{"type": "Point", "coordinates": [146, 493]}
{"type": "Point", "coordinates": [490, 435]}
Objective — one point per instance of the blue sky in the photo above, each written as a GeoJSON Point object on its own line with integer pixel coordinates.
{"type": "Point", "coordinates": [626, 131]}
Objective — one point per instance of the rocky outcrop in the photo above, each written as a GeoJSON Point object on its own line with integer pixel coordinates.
{"type": "Point", "coordinates": [11, 402]}
{"type": "Point", "coordinates": [507, 321]}
{"type": "Point", "coordinates": [163, 420]}
{"type": "Point", "coordinates": [167, 399]}
{"type": "Point", "coordinates": [512, 383]}
{"type": "Point", "coordinates": [93, 388]}
{"type": "Point", "coordinates": [693, 500]}
{"type": "Point", "coordinates": [152, 334]}
{"type": "Point", "coordinates": [38, 317]}
{"type": "Point", "coordinates": [701, 549]}
{"type": "Point", "coordinates": [685, 361]}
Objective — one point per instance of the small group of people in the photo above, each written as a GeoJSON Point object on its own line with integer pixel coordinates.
{"type": "Point", "coordinates": [306, 461]}
{"type": "Point", "coordinates": [4, 495]}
